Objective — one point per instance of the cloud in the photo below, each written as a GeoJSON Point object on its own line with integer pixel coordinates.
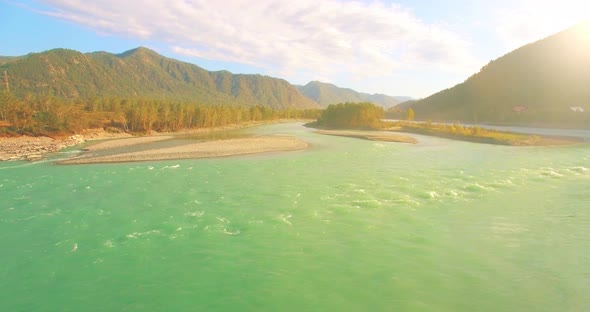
{"type": "Point", "coordinates": [527, 21]}
{"type": "Point", "coordinates": [289, 38]}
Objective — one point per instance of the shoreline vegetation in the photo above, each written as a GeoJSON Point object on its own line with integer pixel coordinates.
{"type": "Point", "coordinates": [48, 116]}
{"type": "Point", "coordinates": [356, 120]}
{"type": "Point", "coordinates": [342, 119]}
{"type": "Point", "coordinates": [35, 126]}
{"type": "Point", "coordinates": [478, 135]}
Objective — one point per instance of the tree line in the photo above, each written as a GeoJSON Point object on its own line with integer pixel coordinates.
{"type": "Point", "coordinates": [52, 116]}
{"type": "Point", "coordinates": [351, 115]}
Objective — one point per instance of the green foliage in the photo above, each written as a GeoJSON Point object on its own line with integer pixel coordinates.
{"type": "Point", "coordinates": [468, 133]}
{"type": "Point", "coordinates": [351, 115]}
{"type": "Point", "coordinates": [141, 73]}
{"type": "Point", "coordinates": [410, 114]}
{"type": "Point", "coordinates": [52, 116]}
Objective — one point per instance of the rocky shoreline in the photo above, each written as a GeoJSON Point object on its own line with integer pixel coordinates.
{"type": "Point", "coordinates": [37, 148]}
{"type": "Point", "coordinates": [34, 148]}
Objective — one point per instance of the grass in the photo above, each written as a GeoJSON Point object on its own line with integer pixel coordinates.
{"type": "Point", "coordinates": [476, 134]}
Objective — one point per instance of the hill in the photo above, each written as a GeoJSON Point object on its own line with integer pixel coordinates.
{"type": "Point", "coordinates": [6, 59]}
{"type": "Point", "coordinates": [544, 83]}
{"type": "Point", "coordinates": [142, 73]}
{"type": "Point", "coordinates": [326, 94]}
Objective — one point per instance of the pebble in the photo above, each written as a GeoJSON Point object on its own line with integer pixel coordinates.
{"type": "Point", "coordinates": [34, 148]}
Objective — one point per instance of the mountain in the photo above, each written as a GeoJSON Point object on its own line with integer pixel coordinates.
{"type": "Point", "coordinates": [141, 72]}
{"type": "Point", "coordinates": [542, 83]}
{"type": "Point", "coordinates": [402, 99]}
{"type": "Point", "coordinates": [326, 94]}
{"type": "Point", "coordinates": [6, 59]}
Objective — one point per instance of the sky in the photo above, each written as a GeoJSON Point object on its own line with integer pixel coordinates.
{"type": "Point", "coordinates": [402, 48]}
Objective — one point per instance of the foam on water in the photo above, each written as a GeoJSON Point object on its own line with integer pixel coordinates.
{"type": "Point", "coordinates": [407, 201]}
{"type": "Point", "coordinates": [476, 187]}
{"type": "Point", "coordinates": [550, 172]}
{"type": "Point", "coordinates": [223, 220]}
{"type": "Point", "coordinates": [366, 203]}
{"type": "Point", "coordinates": [31, 217]}
{"type": "Point", "coordinates": [23, 164]}
{"type": "Point", "coordinates": [195, 213]}
{"type": "Point", "coordinates": [347, 225]}
{"type": "Point", "coordinates": [135, 235]}
{"type": "Point", "coordinates": [285, 219]}
{"type": "Point", "coordinates": [234, 232]}
{"type": "Point", "coordinates": [578, 169]}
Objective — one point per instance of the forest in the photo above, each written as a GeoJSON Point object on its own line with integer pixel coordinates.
{"type": "Point", "coordinates": [351, 116]}
{"type": "Point", "coordinates": [141, 73]}
{"type": "Point", "coordinates": [54, 117]}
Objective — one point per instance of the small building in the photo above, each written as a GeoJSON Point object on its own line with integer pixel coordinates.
{"type": "Point", "coordinates": [519, 109]}
{"type": "Point", "coordinates": [577, 109]}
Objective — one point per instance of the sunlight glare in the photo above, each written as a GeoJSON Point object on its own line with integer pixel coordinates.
{"type": "Point", "coordinates": [583, 29]}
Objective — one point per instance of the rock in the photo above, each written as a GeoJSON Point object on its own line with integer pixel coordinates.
{"type": "Point", "coordinates": [27, 148]}
{"type": "Point", "coordinates": [34, 157]}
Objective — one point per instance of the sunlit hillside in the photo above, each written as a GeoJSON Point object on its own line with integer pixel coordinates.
{"type": "Point", "coordinates": [142, 73]}
{"type": "Point", "coordinates": [546, 82]}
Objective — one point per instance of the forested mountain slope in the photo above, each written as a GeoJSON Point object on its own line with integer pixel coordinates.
{"type": "Point", "coordinates": [543, 83]}
{"type": "Point", "coordinates": [142, 73]}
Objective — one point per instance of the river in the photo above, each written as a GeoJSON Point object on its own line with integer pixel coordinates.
{"type": "Point", "coordinates": [347, 225]}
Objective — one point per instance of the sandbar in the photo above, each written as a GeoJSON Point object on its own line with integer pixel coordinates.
{"type": "Point", "coordinates": [207, 149]}
{"type": "Point", "coordinates": [116, 143]}
{"type": "Point", "coordinates": [370, 135]}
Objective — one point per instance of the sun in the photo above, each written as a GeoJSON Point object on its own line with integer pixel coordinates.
{"type": "Point", "coordinates": [583, 29]}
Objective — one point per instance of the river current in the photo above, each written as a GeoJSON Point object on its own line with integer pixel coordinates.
{"type": "Point", "coordinates": [346, 225]}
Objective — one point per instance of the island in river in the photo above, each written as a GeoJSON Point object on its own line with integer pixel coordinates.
{"type": "Point", "coordinates": [346, 119]}
{"type": "Point", "coordinates": [116, 150]}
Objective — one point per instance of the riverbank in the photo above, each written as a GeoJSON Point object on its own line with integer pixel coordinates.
{"type": "Point", "coordinates": [479, 135]}
{"type": "Point", "coordinates": [370, 135]}
{"type": "Point", "coordinates": [37, 148]}
{"type": "Point", "coordinates": [34, 148]}
{"type": "Point", "coordinates": [207, 149]}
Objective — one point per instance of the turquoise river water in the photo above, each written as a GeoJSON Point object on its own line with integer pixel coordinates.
{"type": "Point", "coordinates": [347, 225]}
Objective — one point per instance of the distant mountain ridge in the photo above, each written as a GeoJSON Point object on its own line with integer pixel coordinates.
{"type": "Point", "coordinates": [327, 93]}
{"type": "Point", "coordinates": [141, 72]}
{"type": "Point", "coordinates": [539, 84]}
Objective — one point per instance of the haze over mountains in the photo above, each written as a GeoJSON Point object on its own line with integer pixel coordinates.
{"type": "Point", "coordinates": [545, 82]}
{"type": "Point", "coordinates": [326, 94]}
